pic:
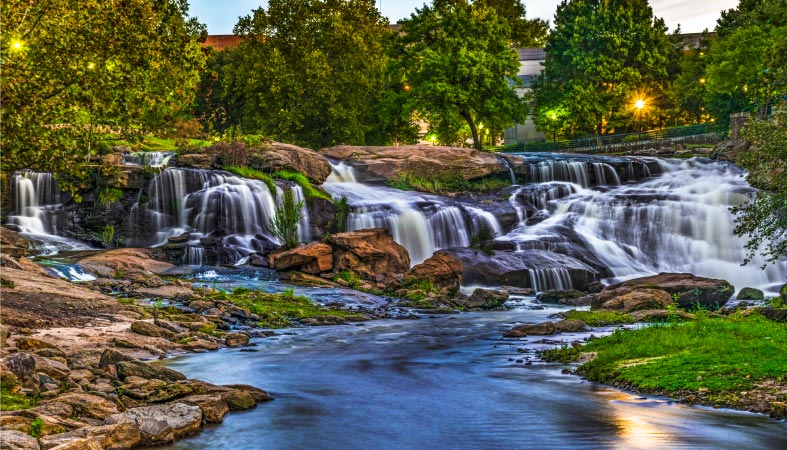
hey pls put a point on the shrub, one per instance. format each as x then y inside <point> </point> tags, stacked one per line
<point>339,222</point>
<point>284,224</point>
<point>108,196</point>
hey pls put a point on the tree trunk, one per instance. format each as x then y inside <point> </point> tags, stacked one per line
<point>476,142</point>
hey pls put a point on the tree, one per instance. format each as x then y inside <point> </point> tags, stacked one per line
<point>747,67</point>
<point>524,32</point>
<point>602,56</point>
<point>689,88</point>
<point>309,71</point>
<point>456,66</point>
<point>73,70</point>
<point>764,218</point>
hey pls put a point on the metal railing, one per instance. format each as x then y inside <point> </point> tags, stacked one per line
<point>691,134</point>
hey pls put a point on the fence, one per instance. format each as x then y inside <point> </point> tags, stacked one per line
<point>692,134</point>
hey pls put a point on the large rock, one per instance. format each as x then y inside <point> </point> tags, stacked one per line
<point>124,262</point>
<point>372,254</point>
<point>487,299</point>
<point>390,163</point>
<point>313,258</point>
<point>150,329</point>
<point>569,297</point>
<point>639,299</point>
<point>23,367</point>
<point>547,328</point>
<point>161,424</point>
<point>686,289</point>
<point>144,370</point>
<point>513,268</point>
<point>16,440</point>
<point>213,407</point>
<point>12,244</point>
<point>442,269</point>
<point>113,436</point>
<point>748,293</point>
<point>89,405</point>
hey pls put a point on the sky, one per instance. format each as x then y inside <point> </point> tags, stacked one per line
<point>693,15</point>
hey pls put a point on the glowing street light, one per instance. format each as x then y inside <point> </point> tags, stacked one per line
<point>16,45</point>
<point>639,104</point>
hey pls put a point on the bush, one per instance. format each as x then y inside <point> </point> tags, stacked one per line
<point>339,222</point>
<point>284,224</point>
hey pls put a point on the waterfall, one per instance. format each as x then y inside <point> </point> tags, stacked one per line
<point>550,278</point>
<point>206,204</point>
<point>36,201</point>
<point>304,233</point>
<point>149,159</point>
<point>421,223</point>
<point>678,221</point>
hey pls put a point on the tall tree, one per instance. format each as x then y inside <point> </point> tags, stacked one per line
<point>747,68</point>
<point>456,66</point>
<point>601,57</point>
<point>524,32</point>
<point>71,66</point>
<point>309,71</point>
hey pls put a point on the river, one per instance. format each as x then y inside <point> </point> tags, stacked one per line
<point>446,382</point>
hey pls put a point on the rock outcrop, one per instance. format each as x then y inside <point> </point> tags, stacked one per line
<point>486,299</point>
<point>547,328</point>
<point>125,261</point>
<point>390,163</point>
<point>442,270</point>
<point>371,254</point>
<point>687,290</point>
<point>313,258</point>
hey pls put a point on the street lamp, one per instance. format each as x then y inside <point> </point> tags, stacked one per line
<point>639,105</point>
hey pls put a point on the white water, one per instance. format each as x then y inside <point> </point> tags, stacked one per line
<point>421,223</point>
<point>149,159</point>
<point>676,222</point>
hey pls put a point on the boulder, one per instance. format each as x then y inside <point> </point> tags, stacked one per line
<point>29,343</point>
<point>547,328</point>
<point>160,424</point>
<point>513,268</point>
<point>390,163</point>
<point>688,290</point>
<point>371,253</point>
<point>748,293</point>
<point>147,371</point>
<point>660,315</point>
<point>569,297</point>
<point>442,269</point>
<point>487,299</point>
<point>236,339</point>
<point>23,366</point>
<point>571,326</point>
<point>150,329</point>
<point>12,244</point>
<point>112,436</point>
<point>238,400</point>
<point>16,440</point>
<point>256,393</point>
<point>277,156</point>
<point>89,405</point>
<point>124,261</point>
<point>51,368</point>
<point>213,407</point>
<point>313,258</point>
<point>639,299</point>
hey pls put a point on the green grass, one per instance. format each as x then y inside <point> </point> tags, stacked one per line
<point>279,310</point>
<point>721,355</point>
<point>446,184</point>
<point>301,180</point>
<point>353,282</point>
<point>254,174</point>
<point>600,318</point>
<point>11,401</point>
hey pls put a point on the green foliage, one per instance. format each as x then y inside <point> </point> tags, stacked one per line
<point>600,318</point>
<point>37,428</point>
<point>7,283</point>
<point>747,67</point>
<point>764,218</point>
<point>309,190</point>
<point>70,75</point>
<point>454,66</point>
<point>254,174</point>
<point>108,196</point>
<point>284,224</point>
<point>524,32</point>
<point>692,356</point>
<point>602,56</point>
<point>353,282</point>
<point>279,310</point>
<point>12,401</point>
<point>306,71</point>
<point>483,241</point>
<point>339,221</point>
<point>108,235</point>
<point>446,184</point>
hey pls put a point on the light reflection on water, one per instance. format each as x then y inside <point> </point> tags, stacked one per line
<point>447,382</point>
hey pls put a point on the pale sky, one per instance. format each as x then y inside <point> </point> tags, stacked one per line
<point>692,15</point>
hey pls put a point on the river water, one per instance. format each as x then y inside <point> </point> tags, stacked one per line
<point>446,382</point>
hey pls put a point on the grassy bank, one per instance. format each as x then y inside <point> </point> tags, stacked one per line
<point>738,361</point>
<point>284,309</point>
<point>444,185</point>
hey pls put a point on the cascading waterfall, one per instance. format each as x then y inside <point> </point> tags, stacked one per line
<point>677,222</point>
<point>209,204</point>
<point>304,234</point>
<point>149,159</point>
<point>420,223</point>
<point>550,278</point>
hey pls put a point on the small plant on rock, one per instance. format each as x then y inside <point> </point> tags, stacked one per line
<point>284,224</point>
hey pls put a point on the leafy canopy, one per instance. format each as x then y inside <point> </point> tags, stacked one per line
<point>602,56</point>
<point>74,70</point>
<point>455,66</point>
<point>308,71</point>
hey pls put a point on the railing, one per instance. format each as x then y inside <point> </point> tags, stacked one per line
<point>692,134</point>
